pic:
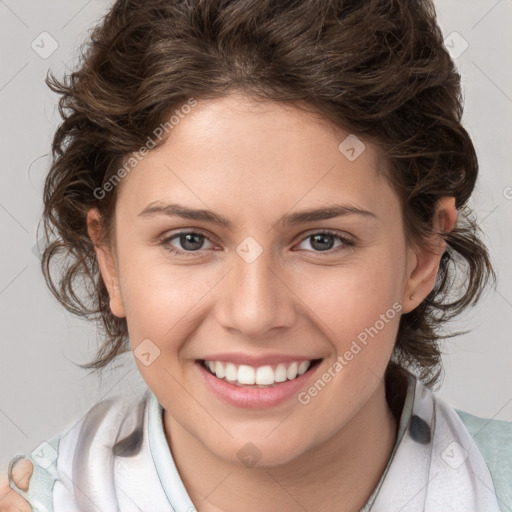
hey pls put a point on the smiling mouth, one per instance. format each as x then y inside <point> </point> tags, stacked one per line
<point>266,376</point>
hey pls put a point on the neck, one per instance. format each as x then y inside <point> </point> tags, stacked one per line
<point>338,475</point>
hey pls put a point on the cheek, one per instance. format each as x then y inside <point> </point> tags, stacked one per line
<point>353,297</point>
<point>166,301</point>
<point>159,297</point>
<point>358,311</point>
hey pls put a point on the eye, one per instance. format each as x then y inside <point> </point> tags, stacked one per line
<point>190,241</point>
<point>323,241</point>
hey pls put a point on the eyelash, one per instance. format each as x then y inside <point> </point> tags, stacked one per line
<point>347,243</point>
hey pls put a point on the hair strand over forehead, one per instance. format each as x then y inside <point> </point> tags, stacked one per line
<point>376,68</point>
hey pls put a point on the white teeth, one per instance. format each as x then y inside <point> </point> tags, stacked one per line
<point>219,370</point>
<point>291,373</point>
<point>246,374</point>
<point>231,372</point>
<point>262,376</point>
<point>280,375</point>
<point>303,366</point>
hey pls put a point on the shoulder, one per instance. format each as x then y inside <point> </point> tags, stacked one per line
<point>493,436</point>
<point>494,440</point>
<point>108,428</point>
<point>105,429</point>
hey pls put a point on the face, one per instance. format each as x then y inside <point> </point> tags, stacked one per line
<point>295,303</point>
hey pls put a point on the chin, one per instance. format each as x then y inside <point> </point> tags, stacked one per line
<point>260,452</point>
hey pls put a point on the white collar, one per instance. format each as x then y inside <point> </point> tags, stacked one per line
<point>117,455</point>
<point>435,464</point>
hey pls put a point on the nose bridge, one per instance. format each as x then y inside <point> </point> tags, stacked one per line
<point>256,299</point>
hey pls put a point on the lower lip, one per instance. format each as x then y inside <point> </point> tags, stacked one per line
<point>252,397</point>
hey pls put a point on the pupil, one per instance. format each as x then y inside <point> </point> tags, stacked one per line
<point>321,239</point>
<point>187,239</point>
<point>320,242</point>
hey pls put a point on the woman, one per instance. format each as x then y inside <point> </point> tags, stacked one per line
<point>267,202</point>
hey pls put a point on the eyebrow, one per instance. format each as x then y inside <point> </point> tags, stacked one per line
<point>290,219</point>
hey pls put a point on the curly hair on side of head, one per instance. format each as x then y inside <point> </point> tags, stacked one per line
<point>376,68</point>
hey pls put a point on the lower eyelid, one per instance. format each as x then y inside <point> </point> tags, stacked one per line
<point>346,242</point>
<point>166,242</point>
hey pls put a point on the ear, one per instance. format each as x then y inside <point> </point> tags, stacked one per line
<point>423,261</point>
<point>107,263</point>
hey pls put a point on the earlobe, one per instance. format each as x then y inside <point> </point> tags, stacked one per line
<point>422,278</point>
<point>106,262</point>
<point>423,261</point>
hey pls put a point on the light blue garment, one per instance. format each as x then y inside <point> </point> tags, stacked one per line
<point>116,458</point>
<point>494,440</point>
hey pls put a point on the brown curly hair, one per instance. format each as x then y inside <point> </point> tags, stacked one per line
<point>376,67</point>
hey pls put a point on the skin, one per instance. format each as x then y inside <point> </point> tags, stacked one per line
<point>253,163</point>
<point>10,501</point>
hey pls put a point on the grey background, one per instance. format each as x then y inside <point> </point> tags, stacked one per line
<point>42,393</point>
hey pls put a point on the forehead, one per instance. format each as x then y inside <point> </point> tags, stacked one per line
<point>241,153</point>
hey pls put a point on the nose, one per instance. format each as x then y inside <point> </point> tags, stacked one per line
<point>256,299</point>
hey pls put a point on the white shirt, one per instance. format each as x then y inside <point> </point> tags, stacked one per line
<point>117,459</point>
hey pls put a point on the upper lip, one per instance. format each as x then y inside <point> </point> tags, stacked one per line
<point>256,360</point>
